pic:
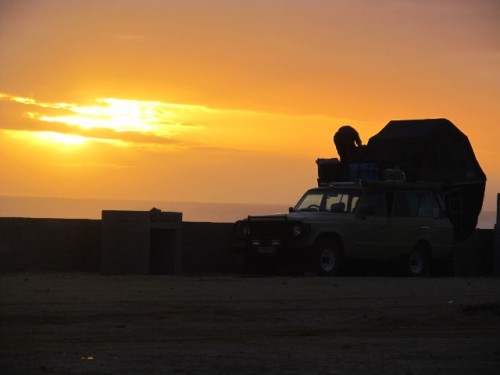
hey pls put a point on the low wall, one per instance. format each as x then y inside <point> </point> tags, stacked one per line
<point>474,255</point>
<point>75,245</point>
<point>49,244</point>
<point>208,247</point>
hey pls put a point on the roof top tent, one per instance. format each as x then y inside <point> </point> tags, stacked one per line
<point>434,151</point>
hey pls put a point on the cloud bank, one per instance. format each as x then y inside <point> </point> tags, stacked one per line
<point>130,122</point>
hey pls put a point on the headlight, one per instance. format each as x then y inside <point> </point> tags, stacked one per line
<point>297,230</point>
<point>241,229</point>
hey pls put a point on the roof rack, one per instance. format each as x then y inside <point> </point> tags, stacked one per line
<point>337,183</point>
<point>404,185</point>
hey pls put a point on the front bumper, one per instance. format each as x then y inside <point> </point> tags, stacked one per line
<point>273,249</point>
<point>272,237</point>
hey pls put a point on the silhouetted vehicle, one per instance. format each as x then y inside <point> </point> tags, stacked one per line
<point>370,221</point>
<point>417,188</point>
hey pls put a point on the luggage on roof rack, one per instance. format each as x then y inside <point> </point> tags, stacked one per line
<point>435,151</point>
<point>420,151</point>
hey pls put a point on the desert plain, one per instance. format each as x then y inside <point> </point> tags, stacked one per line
<point>88,323</point>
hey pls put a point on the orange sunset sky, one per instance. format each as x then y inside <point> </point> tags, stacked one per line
<point>230,101</point>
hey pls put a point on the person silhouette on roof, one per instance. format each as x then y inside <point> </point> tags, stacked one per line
<point>348,144</point>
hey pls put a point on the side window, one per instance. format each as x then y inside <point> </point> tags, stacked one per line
<point>415,204</point>
<point>425,204</point>
<point>342,202</point>
<point>405,204</point>
<point>354,203</point>
<point>436,207</point>
<point>332,203</point>
<point>309,201</point>
<point>374,204</point>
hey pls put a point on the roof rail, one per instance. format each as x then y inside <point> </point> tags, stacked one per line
<point>337,183</point>
<point>404,185</point>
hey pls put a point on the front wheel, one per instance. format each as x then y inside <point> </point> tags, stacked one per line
<point>327,257</point>
<point>418,262</point>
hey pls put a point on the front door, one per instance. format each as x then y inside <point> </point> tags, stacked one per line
<point>371,231</point>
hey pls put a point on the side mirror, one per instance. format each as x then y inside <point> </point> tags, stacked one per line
<point>290,209</point>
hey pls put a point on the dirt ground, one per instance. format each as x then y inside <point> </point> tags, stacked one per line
<point>72,323</point>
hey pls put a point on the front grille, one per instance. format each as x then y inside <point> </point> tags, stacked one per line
<point>263,227</point>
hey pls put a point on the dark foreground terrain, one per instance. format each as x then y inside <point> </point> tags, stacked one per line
<point>67,323</point>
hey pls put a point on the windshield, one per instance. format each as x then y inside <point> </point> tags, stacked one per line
<point>334,200</point>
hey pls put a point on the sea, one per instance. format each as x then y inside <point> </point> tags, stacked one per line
<point>67,208</point>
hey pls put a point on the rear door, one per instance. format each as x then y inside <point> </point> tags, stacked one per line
<point>440,229</point>
<point>406,226</point>
<point>418,215</point>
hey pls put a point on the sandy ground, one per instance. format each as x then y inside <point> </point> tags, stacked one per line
<point>69,323</point>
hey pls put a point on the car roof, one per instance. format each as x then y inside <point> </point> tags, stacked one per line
<point>379,185</point>
<point>337,186</point>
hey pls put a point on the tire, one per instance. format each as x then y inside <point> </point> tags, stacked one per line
<point>417,263</point>
<point>327,259</point>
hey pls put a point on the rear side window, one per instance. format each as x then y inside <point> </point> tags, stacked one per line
<point>374,204</point>
<point>415,204</point>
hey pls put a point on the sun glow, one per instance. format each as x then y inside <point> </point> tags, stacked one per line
<point>66,139</point>
<point>119,115</point>
<point>118,121</point>
<point>48,136</point>
<point>116,114</point>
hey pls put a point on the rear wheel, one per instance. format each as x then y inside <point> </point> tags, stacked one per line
<point>327,257</point>
<point>418,262</point>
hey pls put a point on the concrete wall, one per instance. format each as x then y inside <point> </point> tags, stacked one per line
<point>474,255</point>
<point>49,244</point>
<point>208,247</point>
<point>496,253</point>
<point>75,245</point>
<point>141,242</point>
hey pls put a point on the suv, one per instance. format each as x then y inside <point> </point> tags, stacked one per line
<point>371,221</point>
